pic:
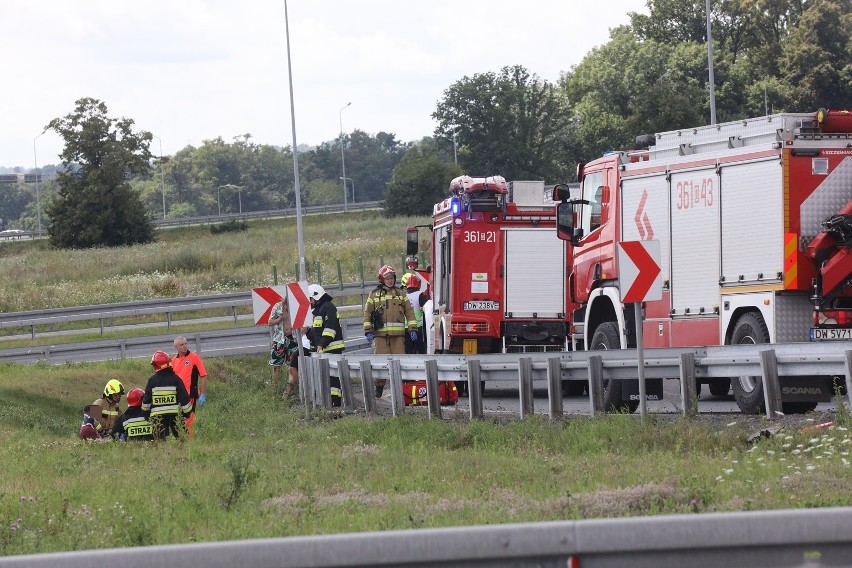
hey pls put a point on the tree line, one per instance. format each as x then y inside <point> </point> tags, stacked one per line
<point>651,76</point>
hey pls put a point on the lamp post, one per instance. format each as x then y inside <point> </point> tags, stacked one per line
<point>455,149</point>
<point>352,181</point>
<point>162,175</point>
<point>232,187</point>
<point>342,156</point>
<point>38,196</point>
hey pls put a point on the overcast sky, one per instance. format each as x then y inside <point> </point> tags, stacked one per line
<point>193,70</point>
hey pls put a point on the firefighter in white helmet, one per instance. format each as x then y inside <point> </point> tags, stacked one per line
<point>387,316</point>
<point>326,333</point>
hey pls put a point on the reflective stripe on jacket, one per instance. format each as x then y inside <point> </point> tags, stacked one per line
<point>325,329</point>
<point>395,309</point>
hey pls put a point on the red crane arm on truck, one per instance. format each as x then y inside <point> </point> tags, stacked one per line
<point>831,251</point>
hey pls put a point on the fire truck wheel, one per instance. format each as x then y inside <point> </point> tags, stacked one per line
<point>606,337</point>
<point>748,391</point>
<point>720,387</point>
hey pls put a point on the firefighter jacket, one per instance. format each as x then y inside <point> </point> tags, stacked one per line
<point>105,413</point>
<point>388,312</point>
<point>326,333</point>
<point>133,426</point>
<point>165,403</point>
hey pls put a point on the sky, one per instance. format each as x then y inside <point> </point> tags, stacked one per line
<point>194,70</point>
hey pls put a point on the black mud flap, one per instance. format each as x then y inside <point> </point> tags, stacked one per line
<point>653,390</point>
<point>806,389</point>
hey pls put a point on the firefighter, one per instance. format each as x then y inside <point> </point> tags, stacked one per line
<point>326,333</point>
<point>165,402</point>
<point>418,299</point>
<point>387,314</point>
<point>105,410</point>
<point>133,425</point>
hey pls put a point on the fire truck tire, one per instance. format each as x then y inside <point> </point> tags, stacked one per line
<point>720,387</point>
<point>748,391</point>
<point>606,337</point>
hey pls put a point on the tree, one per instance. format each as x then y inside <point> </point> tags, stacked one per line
<point>509,123</point>
<point>419,181</point>
<point>95,205</point>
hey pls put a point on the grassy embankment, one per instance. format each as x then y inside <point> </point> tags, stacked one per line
<point>190,261</point>
<point>257,468</point>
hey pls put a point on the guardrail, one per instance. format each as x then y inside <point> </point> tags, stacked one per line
<point>769,361</point>
<point>270,213</point>
<point>784,538</point>
<point>167,306</point>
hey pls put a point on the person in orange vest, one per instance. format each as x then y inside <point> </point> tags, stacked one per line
<point>190,368</point>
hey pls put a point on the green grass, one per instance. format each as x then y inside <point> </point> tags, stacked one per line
<point>257,468</point>
<point>189,261</point>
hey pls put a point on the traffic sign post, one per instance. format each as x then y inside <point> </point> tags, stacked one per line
<point>639,281</point>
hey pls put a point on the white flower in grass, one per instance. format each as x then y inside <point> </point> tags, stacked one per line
<point>770,452</point>
<point>810,467</point>
<point>729,471</point>
<point>719,478</point>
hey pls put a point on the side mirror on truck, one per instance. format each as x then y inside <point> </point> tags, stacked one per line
<point>565,221</point>
<point>411,241</point>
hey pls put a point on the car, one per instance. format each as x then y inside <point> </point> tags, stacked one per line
<point>12,233</point>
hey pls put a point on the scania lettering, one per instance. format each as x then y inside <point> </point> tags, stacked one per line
<point>754,220</point>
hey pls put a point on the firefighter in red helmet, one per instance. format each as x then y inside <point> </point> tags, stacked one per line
<point>165,403</point>
<point>388,316</point>
<point>133,426</point>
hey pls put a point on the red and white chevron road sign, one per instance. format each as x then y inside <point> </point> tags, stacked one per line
<point>262,301</point>
<point>300,306</point>
<point>639,271</point>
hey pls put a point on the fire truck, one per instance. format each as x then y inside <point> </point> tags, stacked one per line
<point>497,278</point>
<point>754,221</point>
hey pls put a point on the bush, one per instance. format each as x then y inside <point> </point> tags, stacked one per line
<point>232,226</point>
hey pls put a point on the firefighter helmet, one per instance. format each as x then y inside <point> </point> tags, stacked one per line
<point>404,279</point>
<point>161,360</point>
<point>411,262</point>
<point>385,270</point>
<point>413,281</point>
<point>134,397</point>
<point>316,291</point>
<point>113,387</point>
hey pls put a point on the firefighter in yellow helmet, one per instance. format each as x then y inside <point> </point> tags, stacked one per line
<point>165,403</point>
<point>388,316</point>
<point>105,410</point>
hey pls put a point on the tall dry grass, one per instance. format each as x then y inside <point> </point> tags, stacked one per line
<point>191,261</point>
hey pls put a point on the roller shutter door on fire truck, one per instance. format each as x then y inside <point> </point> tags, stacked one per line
<point>534,273</point>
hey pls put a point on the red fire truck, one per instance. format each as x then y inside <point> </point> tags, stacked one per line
<point>754,220</point>
<point>497,279</point>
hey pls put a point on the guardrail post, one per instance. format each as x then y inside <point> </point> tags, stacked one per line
<point>325,382</point>
<point>32,331</point>
<point>771,386</point>
<point>554,388</point>
<point>304,381</point>
<point>848,356</point>
<point>168,320</point>
<point>101,320</point>
<point>433,393</point>
<point>688,392</point>
<point>345,384</point>
<point>234,309</point>
<point>122,348</point>
<point>368,386</point>
<point>596,384</point>
<point>339,276</point>
<point>474,388</point>
<point>197,341</point>
<point>525,387</point>
<point>395,368</point>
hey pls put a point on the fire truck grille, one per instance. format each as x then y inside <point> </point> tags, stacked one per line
<point>533,348</point>
<point>470,327</point>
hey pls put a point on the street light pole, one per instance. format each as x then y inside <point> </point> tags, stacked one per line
<point>38,196</point>
<point>342,156</point>
<point>352,181</point>
<point>455,149</point>
<point>162,175</point>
